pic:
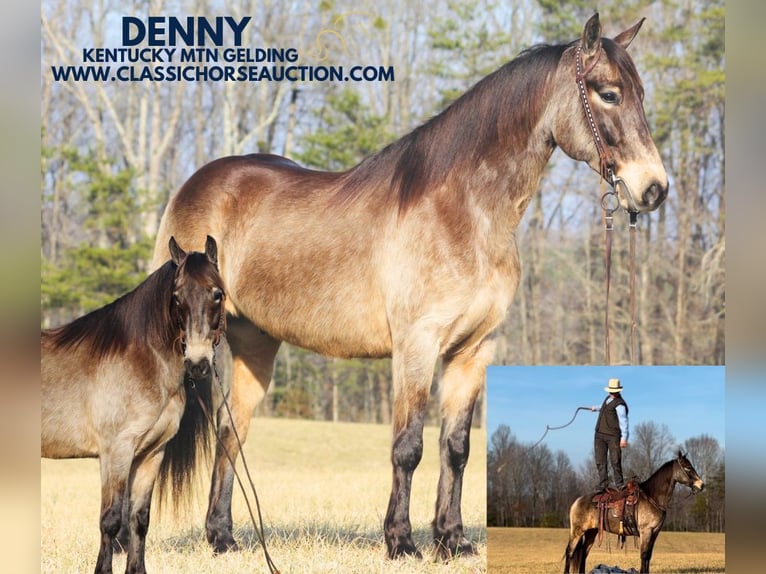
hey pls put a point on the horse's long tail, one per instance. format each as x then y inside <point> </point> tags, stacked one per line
<point>191,442</point>
<point>574,559</point>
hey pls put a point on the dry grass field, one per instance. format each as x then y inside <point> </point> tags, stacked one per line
<point>538,550</point>
<point>323,489</point>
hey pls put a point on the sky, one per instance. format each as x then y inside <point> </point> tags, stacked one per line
<point>689,400</point>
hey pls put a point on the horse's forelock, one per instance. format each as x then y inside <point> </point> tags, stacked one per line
<point>621,59</point>
<point>200,269</point>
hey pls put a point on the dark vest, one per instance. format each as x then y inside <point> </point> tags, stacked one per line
<point>607,422</point>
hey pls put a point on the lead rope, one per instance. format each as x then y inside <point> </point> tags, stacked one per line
<point>609,209</point>
<point>608,233</point>
<point>633,338</point>
<point>258,527</point>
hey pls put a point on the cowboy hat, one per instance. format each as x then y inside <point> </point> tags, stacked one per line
<point>614,386</point>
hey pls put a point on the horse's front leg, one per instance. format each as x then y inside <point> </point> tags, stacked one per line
<point>648,538</point>
<point>464,377</point>
<point>252,367</point>
<point>413,361</point>
<point>141,486</point>
<point>115,467</point>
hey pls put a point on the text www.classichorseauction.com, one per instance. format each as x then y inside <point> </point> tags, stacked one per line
<point>204,57</point>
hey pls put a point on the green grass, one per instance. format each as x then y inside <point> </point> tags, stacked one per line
<point>536,550</point>
<point>323,489</point>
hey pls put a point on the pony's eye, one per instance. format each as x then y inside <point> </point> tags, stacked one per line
<point>610,97</point>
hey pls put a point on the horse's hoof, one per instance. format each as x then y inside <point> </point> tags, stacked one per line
<point>446,549</point>
<point>403,549</point>
<point>222,545</point>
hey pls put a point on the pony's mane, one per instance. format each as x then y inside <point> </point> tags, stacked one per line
<point>141,317</point>
<point>495,116</point>
<point>658,476</point>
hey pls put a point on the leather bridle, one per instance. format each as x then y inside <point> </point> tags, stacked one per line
<point>609,204</point>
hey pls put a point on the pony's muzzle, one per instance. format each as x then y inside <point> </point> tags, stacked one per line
<point>197,369</point>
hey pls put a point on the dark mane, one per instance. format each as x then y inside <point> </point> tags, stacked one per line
<point>140,317</point>
<point>658,477</point>
<point>496,116</point>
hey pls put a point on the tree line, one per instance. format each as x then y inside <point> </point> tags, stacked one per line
<point>530,486</point>
<point>113,153</point>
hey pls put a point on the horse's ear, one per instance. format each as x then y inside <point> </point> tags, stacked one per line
<point>176,253</point>
<point>625,38</point>
<point>591,35</point>
<point>211,250</point>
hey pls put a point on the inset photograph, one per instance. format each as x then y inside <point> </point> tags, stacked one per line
<point>605,469</point>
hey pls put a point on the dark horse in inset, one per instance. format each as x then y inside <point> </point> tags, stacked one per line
<point>115,385</point>
<point>654,496</point>
<point>410,254</point>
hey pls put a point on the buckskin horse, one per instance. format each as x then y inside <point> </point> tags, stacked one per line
<point>411,253</point>
<point>654,496</point>
<point>115,386</point>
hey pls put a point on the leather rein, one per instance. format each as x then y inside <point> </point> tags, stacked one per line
<point>610,204</point>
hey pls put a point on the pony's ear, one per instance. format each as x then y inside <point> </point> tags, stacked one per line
<point>211,250</point>
<point>176,253</point>
<point>591,35</point>
<point>625,38</point>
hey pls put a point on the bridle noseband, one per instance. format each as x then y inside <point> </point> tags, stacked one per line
<point>609,202</point>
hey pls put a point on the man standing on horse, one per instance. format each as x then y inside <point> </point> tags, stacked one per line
<point>611,435</point>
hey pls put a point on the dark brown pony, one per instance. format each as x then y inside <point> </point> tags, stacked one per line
<point>410,254</point>
<point>653,499</point>
<point>115,385</point>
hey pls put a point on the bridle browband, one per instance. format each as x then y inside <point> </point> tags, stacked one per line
<point>609,202</point>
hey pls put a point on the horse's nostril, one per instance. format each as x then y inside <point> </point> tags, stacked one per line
<point>652,194</point>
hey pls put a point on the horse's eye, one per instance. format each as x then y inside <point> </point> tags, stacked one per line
<point>217,295</point>
<point>176,300</point>
<point>610,97</point>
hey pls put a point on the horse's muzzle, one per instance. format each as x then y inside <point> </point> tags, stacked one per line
<point>198,369</point>
<point>698,487</point>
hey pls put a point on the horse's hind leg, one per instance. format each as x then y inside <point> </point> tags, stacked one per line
<point>587,543</point>
<point>463,379</point>
<point>412,365</point>
<point>141,487</point>
<point>570,554</point>
<point>253,365</point>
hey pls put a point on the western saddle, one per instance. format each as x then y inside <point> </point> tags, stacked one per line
<point>620,505</point>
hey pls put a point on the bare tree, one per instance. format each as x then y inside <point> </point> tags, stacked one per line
<point>651,444</point>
